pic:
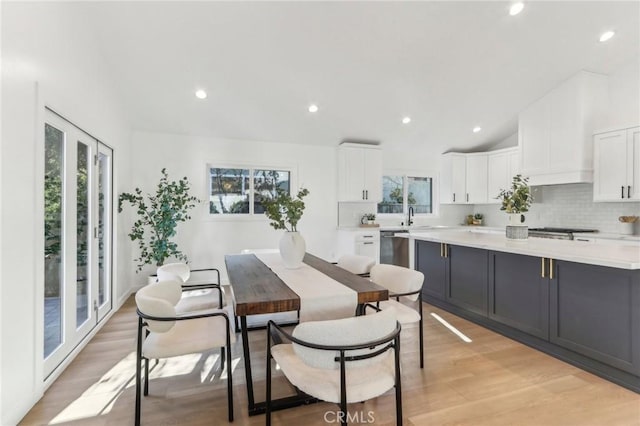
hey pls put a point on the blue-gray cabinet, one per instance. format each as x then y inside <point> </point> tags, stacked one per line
<point>454,274</point>
<point>519,292</point>
<point>585,314</point>
<point>467,278</point>
<point>595,311</point>
<point>430,260</point>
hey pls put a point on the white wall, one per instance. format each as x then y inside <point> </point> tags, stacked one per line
<point>52,45</point>
<point>205,240</point>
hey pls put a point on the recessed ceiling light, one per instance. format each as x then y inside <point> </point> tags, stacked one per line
<point>201,94</point>
<point>606,36</point>
<point>477,129</point>
<point>313,108</point>
<point>516,8</point>
<point>406,120</point>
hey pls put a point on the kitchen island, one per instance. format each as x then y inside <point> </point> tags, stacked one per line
<point>577,301</point>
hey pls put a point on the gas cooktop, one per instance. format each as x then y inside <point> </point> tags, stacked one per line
<point>566,230</point>
<point>557,233</point>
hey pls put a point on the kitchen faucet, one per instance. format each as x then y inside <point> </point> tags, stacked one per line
<point>409,216</point>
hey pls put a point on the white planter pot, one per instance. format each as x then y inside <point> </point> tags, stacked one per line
<point>292,249</point>
<point>516,219</point>
<point>516,229</point>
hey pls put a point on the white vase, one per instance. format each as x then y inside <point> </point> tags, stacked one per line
<point>516,229</point>
<point>292,249</point>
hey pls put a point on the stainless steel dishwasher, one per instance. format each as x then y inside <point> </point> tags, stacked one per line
<point>394,250</point>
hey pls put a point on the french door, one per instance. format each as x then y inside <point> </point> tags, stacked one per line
<point>77,236</point>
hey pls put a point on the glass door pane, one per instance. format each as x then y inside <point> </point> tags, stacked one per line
<point>54,140</point>
<point>83,236</point>
<point>77,237</point>
<point>104,229</point>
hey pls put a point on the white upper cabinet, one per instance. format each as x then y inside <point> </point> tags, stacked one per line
<point>554,133</point>
<point>502,166</point>
<point>453,179</point>
<point>463,178</point>
<point>617,165</point>
<point>476,178</point>
<point>359,173</point>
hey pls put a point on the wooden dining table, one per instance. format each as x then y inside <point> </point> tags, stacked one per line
<point>258,290</point>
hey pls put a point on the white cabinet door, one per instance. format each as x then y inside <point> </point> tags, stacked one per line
<point>610,163</point>
<point>373,175</point>
<point>513,167</point>
<point>359,174</point>
<point>633,165</point>
<point>368,248</point>
<point>497,175</point>
<point>476,179</point>
<point>453,169</point>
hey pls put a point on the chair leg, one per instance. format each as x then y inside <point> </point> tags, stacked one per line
<point>268,390</point>
<point>398,383</point>
<point>421,333</point>
<point>146,376</point>
<point>138,372</point>
<point>343,389</point>
<point>229,381</point>
<point>222,357</point>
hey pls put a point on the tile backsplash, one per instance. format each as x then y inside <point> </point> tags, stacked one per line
<point>568,206</point>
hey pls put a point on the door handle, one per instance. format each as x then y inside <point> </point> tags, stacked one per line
<point>622,192</point>
<point>542,267</point>
<point>550,268</point>
<point>366,192</point>
<point>454,197</point>
<point>441,250</point>
<point>467,198</point>
<point>629,191</point>
<point>367,243</point>
<point>363,195</point>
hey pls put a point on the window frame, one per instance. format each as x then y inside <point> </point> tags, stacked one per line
<point>406,174</point>
<point>252,167</point>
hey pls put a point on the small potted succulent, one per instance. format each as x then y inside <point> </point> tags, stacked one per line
<point>477,219</point>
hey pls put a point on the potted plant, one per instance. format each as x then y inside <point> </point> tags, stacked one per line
<point>158,218</point>
<point>477,219</point>
<point>368,219</point>
<point>515,201</point>
<point>285,211</point>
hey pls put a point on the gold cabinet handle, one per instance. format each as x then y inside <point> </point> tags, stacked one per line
<point>542,267</point>
<point>550,268</point>
<point>446,250</point>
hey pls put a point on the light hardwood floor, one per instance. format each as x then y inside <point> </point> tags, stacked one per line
<point>490,381</point>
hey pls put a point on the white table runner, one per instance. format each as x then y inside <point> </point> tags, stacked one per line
<point>321,297</point>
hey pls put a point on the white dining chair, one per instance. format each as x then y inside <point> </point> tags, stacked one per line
<point>405,295</point>
<point>341,361</point>
<point>202,289</point>
<point>163,333</point>
<point>356,264</point>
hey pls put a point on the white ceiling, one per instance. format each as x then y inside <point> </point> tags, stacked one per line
<point>448,65</point>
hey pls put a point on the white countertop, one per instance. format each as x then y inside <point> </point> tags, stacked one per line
<point>616,256</point>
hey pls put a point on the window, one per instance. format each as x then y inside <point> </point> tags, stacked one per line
<point>240,191</point>
<point>399,192</point>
